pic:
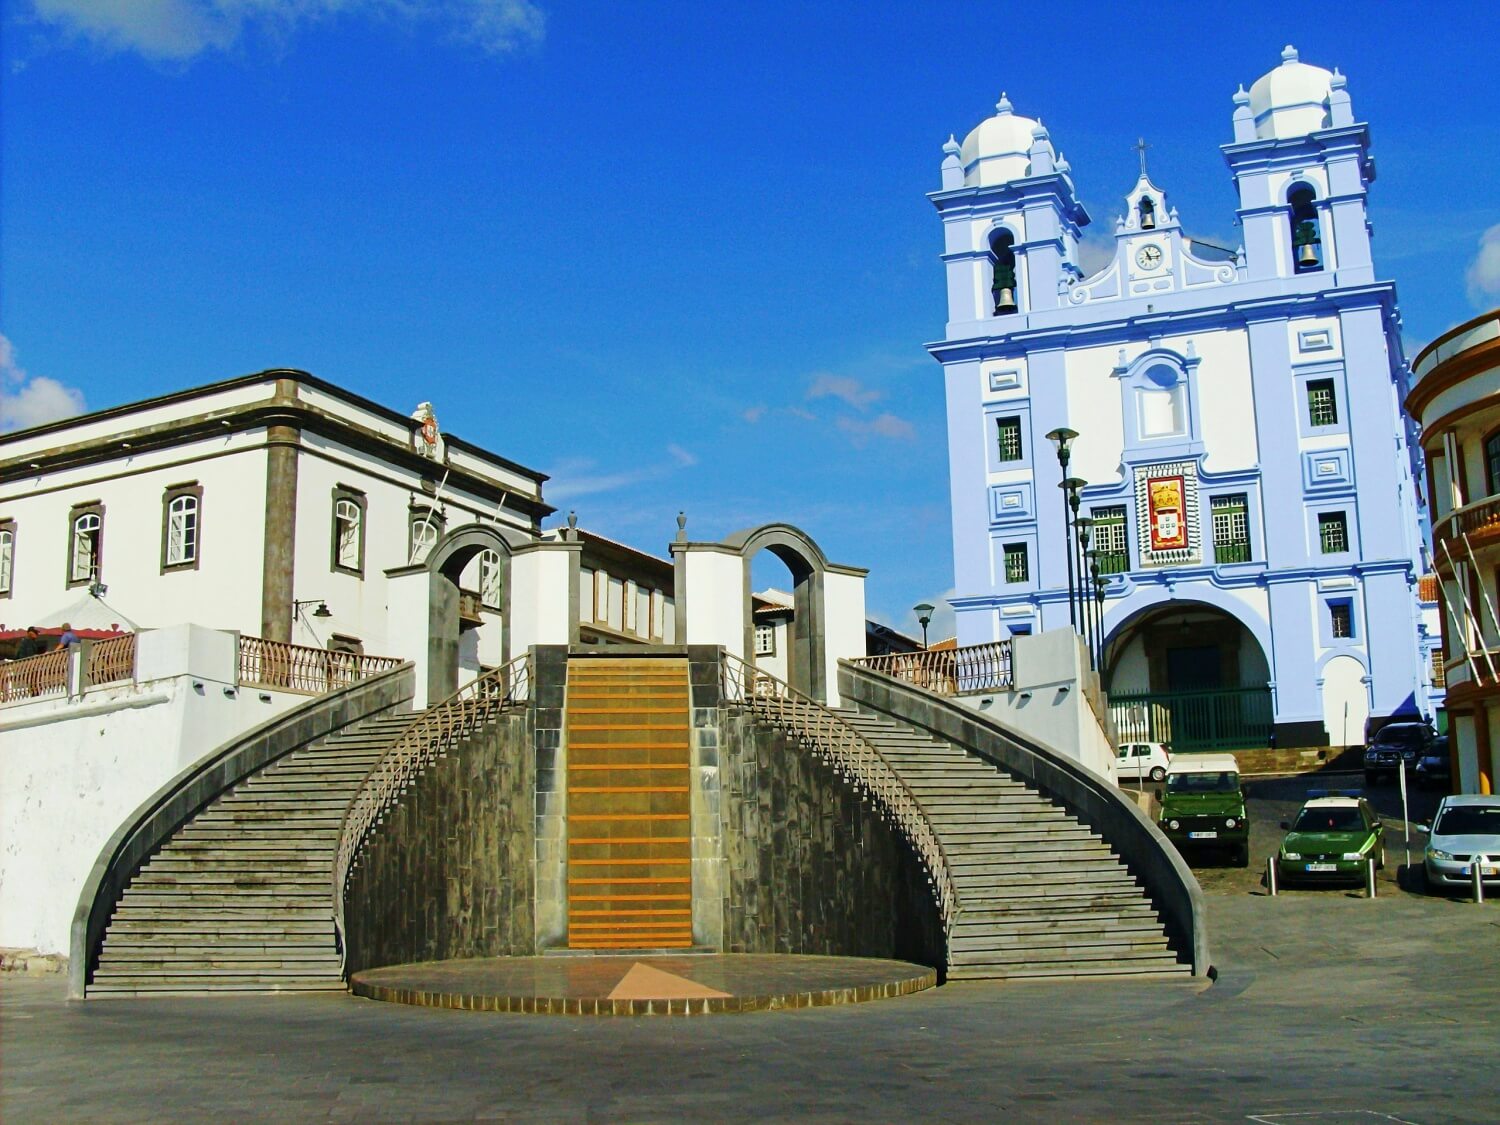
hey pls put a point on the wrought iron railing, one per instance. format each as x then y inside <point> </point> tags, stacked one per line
<point>949,671</point>
<point>112,659</point>
<point>34,676</point>
<point>852,757</point>
<point>304,670</point>
<point>430,736</point>
<point>1212,719</point>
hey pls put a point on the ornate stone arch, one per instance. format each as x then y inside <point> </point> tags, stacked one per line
<point>808,669</point>
<point>445,564</point>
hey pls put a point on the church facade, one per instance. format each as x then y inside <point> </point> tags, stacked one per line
<point>1234,447</point>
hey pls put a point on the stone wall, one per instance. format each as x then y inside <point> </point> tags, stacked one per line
<point>808,866</point>
<point>449,872</point>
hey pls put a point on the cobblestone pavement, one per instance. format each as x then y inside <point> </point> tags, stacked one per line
<point>1329,1009</point>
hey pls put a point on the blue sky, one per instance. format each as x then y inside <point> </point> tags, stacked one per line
<point>676,255</point>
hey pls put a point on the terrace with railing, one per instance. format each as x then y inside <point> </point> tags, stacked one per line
<point>35,677</point>
<point>107,661</point>
<point>303,670</point>
<point>952,671</point>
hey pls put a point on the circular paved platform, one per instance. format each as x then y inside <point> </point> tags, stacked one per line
<point>642,986</point>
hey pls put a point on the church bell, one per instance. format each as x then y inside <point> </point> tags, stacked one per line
<point>1307,254</point>
<point>1005,300</point>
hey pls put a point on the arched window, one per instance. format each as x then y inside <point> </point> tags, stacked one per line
<point>1163,412</point>
<point>489,579</point>
<point>1003,289</point>
<point>348,532</point>
<point>1492,462</point>
<point>1147,210</point>
<point>181,545</point>
<point>85,548</point>
<point>1307,233</point>
<point>7,557</point>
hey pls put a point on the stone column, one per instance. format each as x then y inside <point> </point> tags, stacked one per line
<point>276,596</point>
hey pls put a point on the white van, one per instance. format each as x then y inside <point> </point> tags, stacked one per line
<point>1137,761</point>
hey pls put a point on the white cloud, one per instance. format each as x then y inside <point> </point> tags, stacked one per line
<point>582,477</point>
<point>753,414</point>
<point>846,388</point>
<point>682,456</point>
<point>1483,275</point>
<point>29,400</point>
<point>178,30</point>
<point>882,425</point>
<point>1096,249</point>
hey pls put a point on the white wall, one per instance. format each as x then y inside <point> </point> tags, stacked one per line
<point>714,589</point>
<point>72,772</point>
<point>1346,701</point>
<point>844,624</point>
<point>541,587</point>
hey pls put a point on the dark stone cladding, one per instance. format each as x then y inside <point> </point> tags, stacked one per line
<point>449,871</point>
<point>811,867</point>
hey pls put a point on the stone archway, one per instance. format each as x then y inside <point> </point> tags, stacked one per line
<point>445,565</point>
<point>809,568</point>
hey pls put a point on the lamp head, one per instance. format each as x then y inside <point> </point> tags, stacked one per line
<point>1062,438</point>
<point>923,612</point>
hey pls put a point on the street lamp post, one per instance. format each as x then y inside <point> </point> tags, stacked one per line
<point>1083,525</point>
<point>924,615</point>
<point>1100,583</point>
<point>1062,438</point>
<point>1071,486</point>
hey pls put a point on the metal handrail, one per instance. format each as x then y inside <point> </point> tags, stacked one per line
<point>305,670</point>
<point>949,671</point>
<point>852,757</point>
<point>429,736</point>
<point>112,659</point>
<point>34,676</point>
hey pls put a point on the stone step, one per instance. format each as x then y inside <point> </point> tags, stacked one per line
<point>1074,970</point>
<point>153,986</point>
<point>1129,940</point>
<point>982,902</point>
<point>246,926</point>
<point>323,962</point>
<point>1021,927</point>
<point>1040,955</point>
<point>1024,864</point>
<point>1105,878</point>
<point>1013,843</point>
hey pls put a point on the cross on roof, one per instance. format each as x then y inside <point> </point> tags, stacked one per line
<point>1140,147</point>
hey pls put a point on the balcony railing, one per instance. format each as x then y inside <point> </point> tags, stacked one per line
<point>1481,515</point>
<point>34,677</point>
<point>112,659</point>
<point>303,670</point>
<point>950,671</point>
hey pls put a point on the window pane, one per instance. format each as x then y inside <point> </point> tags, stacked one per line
<point>1009,430</point>
<point>346,528</point>
<point>84,561</point>
<point>1015,562</point>
<point>1322,410</point>
<point>489,579</point>
<point>423,539</point>
<point>1492,462</point>
<point>765,640</point>
<point>7,556</point>
<point>1109,539</point>
<point>182,530</point>
<point>1231,529</point>
<point>1333,536</point>
<point>1341,617</point>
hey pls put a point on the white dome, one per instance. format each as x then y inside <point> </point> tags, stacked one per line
<point>1292,100</point>
<point>998,149</point>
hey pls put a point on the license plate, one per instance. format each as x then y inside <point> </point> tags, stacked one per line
<point>1203,835</point>
<point>1486,872</point>
<point>1321,867</point>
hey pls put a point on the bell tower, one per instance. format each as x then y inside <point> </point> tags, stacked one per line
<point>1302,168</point>
<point>1011,220</point>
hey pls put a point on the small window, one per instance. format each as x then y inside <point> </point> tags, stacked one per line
<point>1009,433</point>
<point>348,531</point>
<point>1322,408</point>
<point>181,526</point>
<point>765,640</point>
<point>1231,529</point>
<point>1109,539</point>
<point>7,555</point>
<point>1016,569</point>
<point>1492,462</point>
<point>85,544</point>
<point>1333,533</point>
<point>489,579</point>
<point>1341,619</point>
<point>1439,674</point>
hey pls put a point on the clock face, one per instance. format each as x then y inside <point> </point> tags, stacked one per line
<point>1148,257</point>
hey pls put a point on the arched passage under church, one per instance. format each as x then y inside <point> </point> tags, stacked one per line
<point>457,614</point>
<point>806,659</point>
<point>1190,675</point>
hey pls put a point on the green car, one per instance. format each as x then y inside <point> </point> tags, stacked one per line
<point>1202,808</point>
<point>1331,840</point>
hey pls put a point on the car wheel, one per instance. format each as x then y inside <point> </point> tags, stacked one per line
<point>1158,774</point>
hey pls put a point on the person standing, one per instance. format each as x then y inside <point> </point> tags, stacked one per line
<point>31,644</point>
<point>68,636</point>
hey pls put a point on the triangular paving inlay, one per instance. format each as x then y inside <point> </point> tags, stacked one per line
<point>643,982</point>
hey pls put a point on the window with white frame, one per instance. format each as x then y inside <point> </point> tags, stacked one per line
<point>7,556</point>
<point>489,579</point>
<point>765,640</point>
<point>1109,539</point>
<point>426,526</point>
<point>1333,533</point>
<point>1231,528</point>
<point>85,545</point>
<point>182,509</point>
<point>1016,566</point>
<point>1341,619</point>
<point>1008,437</point>
<point>348,531</point>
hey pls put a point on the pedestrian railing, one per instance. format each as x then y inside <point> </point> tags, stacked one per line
<point>431,735</point>
<point>303,670</point>
<point>949,671</point>
<point>35,677</point>
<point>112,659</point>
<point>851,755</point>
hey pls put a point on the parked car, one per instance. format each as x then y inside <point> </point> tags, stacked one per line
<point>1395,744</point>
<point>1135,761</point>
<point>1203,807</point>
<point>1435,768</point>
<point>1464,831</point>
<point>1333,836</point>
